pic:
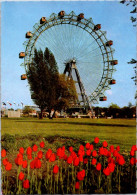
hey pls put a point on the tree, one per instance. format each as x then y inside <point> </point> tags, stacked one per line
<point>27,110</point>
<point>48,88</point>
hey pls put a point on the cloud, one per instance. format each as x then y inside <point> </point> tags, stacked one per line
<point>109,92</point>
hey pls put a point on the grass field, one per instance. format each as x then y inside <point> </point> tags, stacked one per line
<point>120,132</point>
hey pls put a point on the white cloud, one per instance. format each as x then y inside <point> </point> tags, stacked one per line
<point>109,92</point>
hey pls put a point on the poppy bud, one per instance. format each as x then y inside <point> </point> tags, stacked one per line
<point>87,145</point>
<point>98,167</point>
<point>105,144</point>
<point>96,140</point>
<point>42,144</point>
<point>26,184</point>
<point>3,153</point>
<point>55,169</point>
<point>21,176</point>
<point>77,185</point>
<point>35,147</point>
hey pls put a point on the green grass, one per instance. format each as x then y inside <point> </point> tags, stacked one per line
<point>115,131</point>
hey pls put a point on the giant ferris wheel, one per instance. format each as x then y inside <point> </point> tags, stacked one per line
<point>82,52</point>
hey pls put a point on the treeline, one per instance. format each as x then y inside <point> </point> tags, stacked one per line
<point>115,111</point>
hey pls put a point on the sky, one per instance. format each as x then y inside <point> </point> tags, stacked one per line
<point>19,17</point>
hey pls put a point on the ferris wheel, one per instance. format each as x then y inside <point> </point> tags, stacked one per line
<point>81,50</point>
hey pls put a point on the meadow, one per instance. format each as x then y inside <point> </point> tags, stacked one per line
<point>120,132</point>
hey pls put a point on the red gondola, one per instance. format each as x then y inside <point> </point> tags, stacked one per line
<point>28,34</point>
<point>112,82</point>
<point>61,14</point>
<point>114,62</point>
<point>104,98</point>
<point>80,17</point>
<point>109,43</point>
<point>23,77</point>
<point>97,27</point>
<point>21,54</point>
<point>43,20</point>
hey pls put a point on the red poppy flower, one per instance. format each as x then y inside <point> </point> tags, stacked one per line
<point>77,185</point>
<point>108,154</point>
<point>101,151</point>
<point>94,161</point>
<point>71,149</point>
<point>19,155</point>
<point>132,161</point>
<point>35,148</point>
<point>65,157</point>
<point>106,171</point>
<point>76,161</point>
<point>32,164</point>
<point>87,146</point>
<point>3,153</point>
<point>48,153</point>
<point>24,164</point>
<point>29,157</point>
<point>88,152</point>
<point>26,184</point>
<point>91,147</point>
<point>96,140</point>
<point>42,144</point>
<point>115,153</point>
<point>21,150</point>
<point>5,161</point>
<point>21,176</point>
<point>80,158</point>
<point>63,148</point>
<point>85,160</point>
<point>81,147</point>
<point>69,160</point>
<point>81,175</point>
<point>98,167</point>
<point>52,157</point>
<point>40,154</point>
<point>132,153</point>
<point>73,154</point>
<point>18,160</point>
<point>121,160</point>
<point>94,153</point>
<point>55,169</point>
<point>81,152</point>
<point>133,147</point>
<point>29,150</point>
<point>8,166</point>
<point>111,148</point>
<point>111,160</point>
<point>37,163</point>
<point>111,167</point>
<point>118,148</point>
<point>105,144</point>
<point>60,153</point>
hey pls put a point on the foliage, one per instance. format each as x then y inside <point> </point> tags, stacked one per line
<point>27,110</point>
<point>133,4</point>
<point>48,88</point>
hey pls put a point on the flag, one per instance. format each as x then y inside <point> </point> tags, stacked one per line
<point>10,104</point>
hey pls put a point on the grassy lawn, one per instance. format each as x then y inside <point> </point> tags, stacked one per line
<point>120,132</point>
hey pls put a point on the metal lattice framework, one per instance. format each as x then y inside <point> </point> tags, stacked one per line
<point>70,39</point>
